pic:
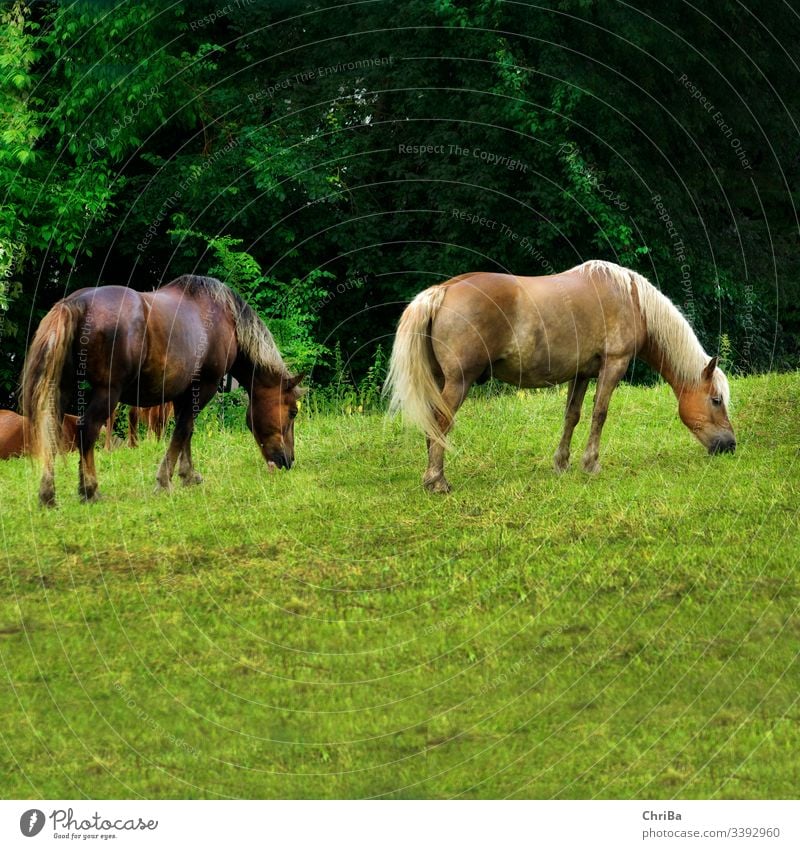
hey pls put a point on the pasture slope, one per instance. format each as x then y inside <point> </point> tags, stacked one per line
<point>335,631</point>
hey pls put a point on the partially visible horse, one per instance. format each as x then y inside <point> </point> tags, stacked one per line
<point>155,421</point>
<point>590,321</point>
<point>15,436</point>
<point>99,347</point>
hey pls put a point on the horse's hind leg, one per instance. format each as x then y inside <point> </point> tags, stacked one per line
<point>109,443</point>
<point>159,421</point>
<point>611,372</point>
<point>101,409</point>
<point>575,396</point>
<point>133,427</point>
<point>453,395</point>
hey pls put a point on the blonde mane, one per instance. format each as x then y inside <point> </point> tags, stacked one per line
<point>666,325</point>
<point>252,335</point>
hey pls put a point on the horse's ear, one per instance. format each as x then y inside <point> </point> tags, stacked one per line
<point>708,371</point>
<point>291,382</point>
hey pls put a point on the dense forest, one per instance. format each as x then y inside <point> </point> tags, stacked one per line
<point>329,160</point>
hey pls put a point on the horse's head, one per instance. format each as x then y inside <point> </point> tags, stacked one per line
<point>271,416</point>
<point>704,410</point>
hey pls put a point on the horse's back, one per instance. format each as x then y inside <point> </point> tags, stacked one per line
<point>499,308</point>
<point>190,331</point>
<point>149,345</point>
<point>550,295</point>
<point>532,331</point>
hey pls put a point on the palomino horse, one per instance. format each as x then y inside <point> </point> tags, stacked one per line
<point>590,321</point>
<point>15,434</point>
<point>99,347</point>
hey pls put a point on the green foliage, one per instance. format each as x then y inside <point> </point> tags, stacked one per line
<point>225,412</point>
<point>725,354</point>
<point>578,130</point>
<point>334,631</point>
<point>344,393</point>
<point>17,140</point>
<point>287,309</point>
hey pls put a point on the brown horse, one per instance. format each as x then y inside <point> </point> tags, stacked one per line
<point>590,321</point>
<point>15,434</point>
<point>99,347</point>
<point>155,421</point>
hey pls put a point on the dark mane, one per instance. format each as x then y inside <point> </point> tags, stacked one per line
<point>253,336</point>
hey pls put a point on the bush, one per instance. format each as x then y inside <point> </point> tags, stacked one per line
<point>286,308</point>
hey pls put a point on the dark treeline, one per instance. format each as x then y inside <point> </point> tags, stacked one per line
<point>331,160</point>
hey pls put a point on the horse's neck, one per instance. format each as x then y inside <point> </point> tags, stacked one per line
<point>658,360</point>
<point>247,374</point>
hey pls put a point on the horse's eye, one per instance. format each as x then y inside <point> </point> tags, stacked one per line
<point>292,414</point>
<point>716,400</point>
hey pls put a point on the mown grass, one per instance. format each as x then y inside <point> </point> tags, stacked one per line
<point>335,631</point>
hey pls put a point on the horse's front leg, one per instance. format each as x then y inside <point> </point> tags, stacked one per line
<point>611,372</point>
<point>184,424</point>
<point>575,396</point>
<point>188,474</point>
<point>180,446</point>
<point>453,395</point>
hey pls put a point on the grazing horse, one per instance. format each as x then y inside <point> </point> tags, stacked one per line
<point>15,436</point>
<point>99,347</point>
<point>590,321</point>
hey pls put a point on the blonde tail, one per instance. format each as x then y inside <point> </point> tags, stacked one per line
<point>41,379</point>
<point>410,382</point>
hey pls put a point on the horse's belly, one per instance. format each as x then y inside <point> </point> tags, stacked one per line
<point>546,365</point>
<point>541,375</point>
<point>159,381</point>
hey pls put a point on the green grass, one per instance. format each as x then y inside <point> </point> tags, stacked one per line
<point>335,631</point>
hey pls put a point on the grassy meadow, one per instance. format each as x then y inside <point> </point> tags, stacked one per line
<point>335,631</point>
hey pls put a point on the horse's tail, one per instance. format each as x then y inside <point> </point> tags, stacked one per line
<point>410,381</point>
<point>42,400</point>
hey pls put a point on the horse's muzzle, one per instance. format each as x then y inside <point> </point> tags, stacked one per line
<point>281,461</point>
<point>722,445</point>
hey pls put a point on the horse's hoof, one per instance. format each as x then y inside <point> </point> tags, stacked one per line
<point>560,465</point>
<point>89,498</point>
<point>48,500</point>
<point>592,468</point>
<point>193,479</point>
<point>160,487</point>
<point>439,485</point>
